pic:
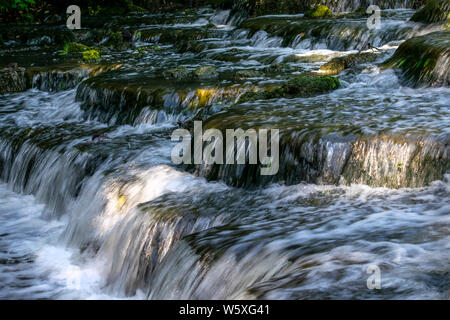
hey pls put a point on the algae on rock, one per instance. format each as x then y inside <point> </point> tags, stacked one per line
<point>424,60</point>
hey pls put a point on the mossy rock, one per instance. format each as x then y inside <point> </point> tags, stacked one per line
<point>319,11</point>
<point>424,60</point>
<point>12,79</point>
<point>434,11</point>
<point>339,64</point>
<point>302,86</point>
<point>72,47</point>
<point>246,74</point>
<point>305,86</point>
<point>206,72</point>
<point>179,73</point>
<point>91,55</point>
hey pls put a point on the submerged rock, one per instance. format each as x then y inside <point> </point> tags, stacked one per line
<point>246,74</point>
<point>424,60</point>
<point>206,72</point>
<point>12,79</point>
<point>434,11</point>
<point>339,64</point>
<point>178,73</point>
<point>303,86</point>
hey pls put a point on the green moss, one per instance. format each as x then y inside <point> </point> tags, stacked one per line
<point>91,55</point>
<point>418,59</point>
<point>311,85</point>
<point>74,47</point>
<point>319,11</point>
<point>302,86</point>
<point>434,11</point>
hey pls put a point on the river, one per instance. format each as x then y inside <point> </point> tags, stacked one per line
<point>107,218</point>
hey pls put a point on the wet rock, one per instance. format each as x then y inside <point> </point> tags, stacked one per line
<point>191,46</point>
<point>206,72</point>
<point>394,163</point>
<point>337,33</point>
<point>114,99</point>
<point>384,161</point>
<point>174,35</point>
<point>319,11</point>
<point>65,76</point>
<point>434,11</point>
<point>72,47</point>
<point>179,73</point>
<point>12,79</point>
<point>423,61</point>
<point>127,35</point>
<point>246,74</point>
<point>91,55</point>
<point>339,64</point>
<point>302,86</point>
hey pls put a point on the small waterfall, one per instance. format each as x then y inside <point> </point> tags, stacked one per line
<point>377,161</point>
<point>128,224</point>
<point>351,5</point>
<point>431,67</point>
<point>12,80</point>
<point>64,77</point>
<point>363,175</point>
<point>151,104</point>
<point>55,178</point>
<point>335,34</point>
<point>256,260</point>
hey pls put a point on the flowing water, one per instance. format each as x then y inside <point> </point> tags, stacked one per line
<point>363,177</point>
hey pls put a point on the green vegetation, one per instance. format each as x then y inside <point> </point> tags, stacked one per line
<point>319,11</point>
<point>302,86</point>
<point>91,55</point>
<point>434,11</point>
<point>22,5</point>
<point>72,47</point>
<point>419,59</point>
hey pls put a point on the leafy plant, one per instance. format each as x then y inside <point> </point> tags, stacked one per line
<point>91,55</point>
<point>23,5</point>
